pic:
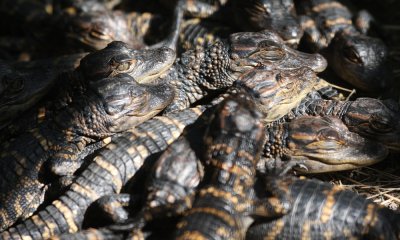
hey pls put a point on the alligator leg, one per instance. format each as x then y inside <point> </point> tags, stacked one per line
<point>113,206</point>
<point>69,159</point>
<point>278,204</point>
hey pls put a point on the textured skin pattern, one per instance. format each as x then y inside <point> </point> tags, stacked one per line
<point>355,57</point>
<point>94,30</point>
<point>275,15</point>
<point>197,72</point>
<point>206,69</point>
<point>95,234</point>
<point>371,118</point>
<point>23,85</point>
<point>234,142</point>
<point>319,144</point>
<point>322,211</point>
<point>326,19</point>
<point>60,141</point>
<point>112,167</point>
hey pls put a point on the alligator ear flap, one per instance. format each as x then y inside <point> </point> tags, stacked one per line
<point>277,205</point>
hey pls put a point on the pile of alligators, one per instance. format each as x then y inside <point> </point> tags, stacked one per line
<point>191,119</point>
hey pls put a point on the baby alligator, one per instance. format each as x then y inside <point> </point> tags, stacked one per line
<point>371,118</point>
<point>203,70</point>
<point>24,84</point>
<point>318,144</point>
<point>101,109</point>
<point>170,188</point>
<point>235,138</point>
<point>277,15</point>
<point>355,57</point>
<point>111,168</point>
<point>323,211</point>
<point>143,65</point>
<point>111,105</point>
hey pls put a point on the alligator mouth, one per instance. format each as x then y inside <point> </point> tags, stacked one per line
<point>311,166</point>
<point>153,76</point>
<point>331,160</point>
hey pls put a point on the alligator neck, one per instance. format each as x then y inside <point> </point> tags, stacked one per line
<point>313,104</point>
<point>199,71</point>
<point>85,119</point>
<point>276,140</point>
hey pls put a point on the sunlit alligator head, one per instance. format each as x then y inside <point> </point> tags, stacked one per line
<point>280,90</point>
<point>325,144</point>
<point>266,48</point>
<point>375,119</point>
<point>143,65</point>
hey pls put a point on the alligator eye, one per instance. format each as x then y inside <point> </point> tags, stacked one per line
<point>269,51</point>
<point>380,124</point>
<point>123,66</point>
<point>328,134</point>
<point>352,55</point>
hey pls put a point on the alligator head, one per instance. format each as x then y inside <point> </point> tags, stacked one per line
<point>266,48</point>
<point>143,65</point>
<point>277,16</point>
<point>325,144</point>
<point>127,102</point>
<point>280,90</point>
<point>24,84</point>
<point>360,60</point>
<point>94,30</point>
<point>173,179</point>
<point>375,119</point>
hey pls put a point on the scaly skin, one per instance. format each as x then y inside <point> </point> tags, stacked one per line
<point>235,138</point>
<point>100,109</point>
<point>368,117</point>
<point>97,234</point>
<point>280,90</point>
<point>323,211</point>
<point>94,30</point>
<point>277,15</point>
<point>26,83</point>
<point>111,168</point>
<point>355,57</point>
<point>143,65</point>
<point>204,70</point>
<point>318,144</point>
<point>111,106</point>
<point>170,189</point>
